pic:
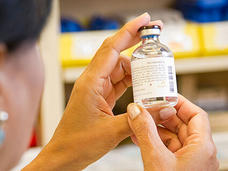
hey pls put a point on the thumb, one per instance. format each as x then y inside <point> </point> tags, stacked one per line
<point>145,130</point>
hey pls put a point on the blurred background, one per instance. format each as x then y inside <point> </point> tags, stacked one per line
<point>195,30</point>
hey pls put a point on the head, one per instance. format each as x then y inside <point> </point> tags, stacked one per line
<point>21,72</point>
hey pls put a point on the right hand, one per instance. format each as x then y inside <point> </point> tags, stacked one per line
<point>89,129</point>
<point>192,127</point>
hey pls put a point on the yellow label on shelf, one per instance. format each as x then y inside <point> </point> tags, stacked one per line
<point>77,49</point>
<point>182,39</point>
<point>215,38</point>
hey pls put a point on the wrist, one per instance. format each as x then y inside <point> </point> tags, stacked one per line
<point>55,157</point>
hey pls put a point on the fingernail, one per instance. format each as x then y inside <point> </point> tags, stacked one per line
<point>133,110</point>
<point>166,112</point>
<point>145,14</point>
<point>159,21</point>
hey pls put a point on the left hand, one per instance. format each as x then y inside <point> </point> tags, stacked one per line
<point>88,129</point>
<point>192,127</point>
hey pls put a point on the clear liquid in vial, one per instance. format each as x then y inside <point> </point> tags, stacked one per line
<point>153,73</point>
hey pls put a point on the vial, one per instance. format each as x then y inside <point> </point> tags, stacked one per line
<point>153,70</point>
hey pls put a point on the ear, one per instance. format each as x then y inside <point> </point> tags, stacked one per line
<point>3,53</point>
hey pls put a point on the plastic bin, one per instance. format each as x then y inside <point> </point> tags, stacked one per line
<point>214,38</point>
<point>203,10</point>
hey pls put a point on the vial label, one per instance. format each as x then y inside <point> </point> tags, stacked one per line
<point>153,78</point>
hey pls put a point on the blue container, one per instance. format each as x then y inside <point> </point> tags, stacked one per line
<point>203,10</point>
<point>225,12</point>
<point>102,23</point>
<point>204,4</point>
<point>69,25</point>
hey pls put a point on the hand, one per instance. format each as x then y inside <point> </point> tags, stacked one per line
<point>88,129</point>
<point>192,127</point>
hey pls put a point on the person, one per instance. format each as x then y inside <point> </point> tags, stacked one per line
<point>169,138</point>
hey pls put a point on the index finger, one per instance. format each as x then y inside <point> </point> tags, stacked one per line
<point>107,56</point>
<point>193,116</point>
<point>186,110</point>
<point>128,35</point>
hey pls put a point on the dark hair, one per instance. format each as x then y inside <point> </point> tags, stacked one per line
<point>22,20</point>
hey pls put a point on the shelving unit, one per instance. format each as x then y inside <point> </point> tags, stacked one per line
<point>183,66</point>
<point>52,105</point>
<point>191,66</point>
<point>219,121</point>
<point>202,64</point>
<point>86,8</point>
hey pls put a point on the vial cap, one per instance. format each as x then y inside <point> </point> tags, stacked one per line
<point>150,30</point>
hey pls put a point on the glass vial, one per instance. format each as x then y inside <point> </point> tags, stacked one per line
<point>153,70</point>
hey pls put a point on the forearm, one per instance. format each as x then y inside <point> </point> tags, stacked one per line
<point>79,149</point>
<point>54,157</point>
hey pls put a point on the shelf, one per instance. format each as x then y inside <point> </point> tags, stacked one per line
<point>202,64</point>
<point>71,74</point>
<point>183,66</point>
<point>53,98</point>
<point>87,8</point>
<point>219,121</point>
<point>221,142</point>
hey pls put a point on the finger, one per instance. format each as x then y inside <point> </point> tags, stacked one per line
<point>117,91</point>
<point>186,109</point>
<point>107,55</point>
<point>159,116</point>
<point>122,68</point>
<point>121,86</point>
<point>128,35</point>
<point>199,125</point>
<point>134,140</point>
<point>122,130</point>
<point>177,126</point>
<point>170,139</point>
<point>166,115</point>
<point>121,76</point>
<point>120,126</point>
<point>193,116</point>
<point>174,124</point>
<point>144,128</point>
